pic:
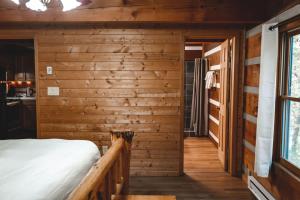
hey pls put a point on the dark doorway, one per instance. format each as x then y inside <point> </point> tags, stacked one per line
<point>18,89</point>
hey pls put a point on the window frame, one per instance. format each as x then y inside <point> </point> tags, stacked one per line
<point>285,33</point>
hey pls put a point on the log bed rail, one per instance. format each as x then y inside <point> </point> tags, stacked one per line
<point>109,177</point>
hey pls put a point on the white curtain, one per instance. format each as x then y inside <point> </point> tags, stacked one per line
<point>266,102</point>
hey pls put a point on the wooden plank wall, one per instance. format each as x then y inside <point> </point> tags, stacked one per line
<point>143,11</point>
<point>213,93</point>
<point>251,84</point>
<point>251,89</point>
<point>113,79</point>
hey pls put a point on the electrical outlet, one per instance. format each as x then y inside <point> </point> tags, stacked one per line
<point>53,91</point>
<point>49,70</point>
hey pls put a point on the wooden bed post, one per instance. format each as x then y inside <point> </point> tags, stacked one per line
<point>109,177</point>
<point>125,157</point>
<point>127,135</point>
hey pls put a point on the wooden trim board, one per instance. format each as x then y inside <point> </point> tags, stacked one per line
<point>212,51</point>
<point>250,118</point>
<point>193,48</point>
<point>214,102</point>
<point>213,137</point>
<point>252,61</point>
<point>254,31</point>
<point>250,89</point>
<point>215,67</point>
<point>249,146</point>
<point>212,118</point>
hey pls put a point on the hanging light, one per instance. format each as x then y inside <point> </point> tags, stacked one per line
<point>42,5</point>
<point>38,5</point>
<point>16,2</point>
<point>70,4</point>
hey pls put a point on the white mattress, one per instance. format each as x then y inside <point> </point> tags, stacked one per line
<point>43,169</point>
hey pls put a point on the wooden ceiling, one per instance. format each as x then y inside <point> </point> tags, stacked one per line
<point>145,11</point>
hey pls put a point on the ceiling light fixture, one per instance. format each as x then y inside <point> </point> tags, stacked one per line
<point>16,2</point>
<point>70,4</point>
<point>38,5</point>
<point>43,5</point>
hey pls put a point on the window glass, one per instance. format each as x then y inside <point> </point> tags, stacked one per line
<point>291,140</point>
<point>294,68</point>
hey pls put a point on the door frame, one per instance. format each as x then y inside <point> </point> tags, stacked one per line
<point>29,36</point>
<point>235,115</point>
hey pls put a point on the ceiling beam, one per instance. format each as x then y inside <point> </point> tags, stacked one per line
<point>205,15</point>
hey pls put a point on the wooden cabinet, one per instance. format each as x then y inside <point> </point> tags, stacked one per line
<point>19,71</point>
<point>28,66</point>
<point>7,63</point>
<point>24,67</point>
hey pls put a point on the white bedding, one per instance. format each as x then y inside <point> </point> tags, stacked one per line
<point>43,169</point>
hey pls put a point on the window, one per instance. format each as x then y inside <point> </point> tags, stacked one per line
<point>289,101</point>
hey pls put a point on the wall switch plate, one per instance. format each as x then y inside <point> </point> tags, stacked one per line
<point>53,91</point>
<point>49,70</point>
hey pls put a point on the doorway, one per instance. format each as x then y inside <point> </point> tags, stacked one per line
<point>18,89</point>
<point>207,64</point>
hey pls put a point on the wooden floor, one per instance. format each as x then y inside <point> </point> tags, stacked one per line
<point>204,177</point>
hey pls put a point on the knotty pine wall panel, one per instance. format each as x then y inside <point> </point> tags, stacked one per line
<point>113,79</point>
<point>214,94</point>
<point>250,132</point>
<point>251,104</point>
<point>213,128</point>
<point>249,157</point>
<point>251,85</point>
<point>252,75</point>
<point>279,183</point>
<point>214,111</point>
<point>253,46</point>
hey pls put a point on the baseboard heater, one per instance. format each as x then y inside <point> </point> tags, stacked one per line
<point>258,190</point>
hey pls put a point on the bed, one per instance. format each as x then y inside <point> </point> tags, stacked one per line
<point>64,169</point>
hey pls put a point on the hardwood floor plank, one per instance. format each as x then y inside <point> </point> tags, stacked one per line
<point>204,177</point>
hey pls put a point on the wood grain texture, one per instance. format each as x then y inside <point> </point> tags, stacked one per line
<point>192,54</point>
<point>204,177</point>
<point>214,59</point>
<point>110,174</point>
<point>252,75</point>
<point>214,94</point>
<point>250,132</point>
<point>253,46</point>
<point>146,197</point>
<point>146,101</point>
<point>275,7</point>
<point>213,110</point>
<point>185,11</point>
<point>113,79</point>
<point>250,101</point>
<point>279,183</point>
<point>213,127</point>
<point>251,78</point>
<point>251,104</point>
<point>249,159</point>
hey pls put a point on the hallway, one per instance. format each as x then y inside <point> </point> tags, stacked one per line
<point>204,177</point>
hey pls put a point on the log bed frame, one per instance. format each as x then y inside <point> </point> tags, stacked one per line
<point>109,177</point>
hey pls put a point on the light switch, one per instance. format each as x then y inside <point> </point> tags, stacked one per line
<point>49,70</point>
<point>53,91</point>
